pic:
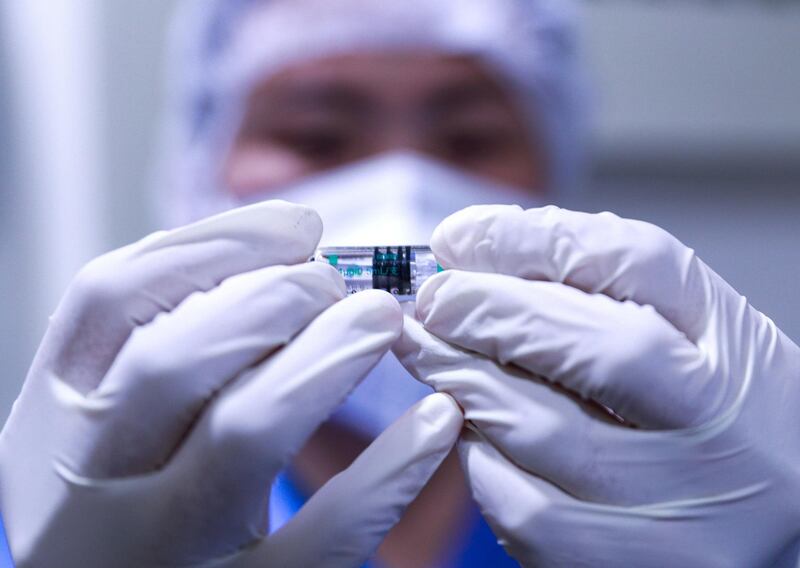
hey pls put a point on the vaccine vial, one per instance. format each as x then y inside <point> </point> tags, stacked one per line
<point>398,270</point>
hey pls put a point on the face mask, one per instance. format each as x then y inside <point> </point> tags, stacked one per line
<point>395,199</point>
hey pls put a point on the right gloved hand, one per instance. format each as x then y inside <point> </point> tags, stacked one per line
<point>177,377</point>
<point>545,315</point>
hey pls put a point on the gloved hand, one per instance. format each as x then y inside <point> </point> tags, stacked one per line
<point>545,317</point>
<point>177,377</point>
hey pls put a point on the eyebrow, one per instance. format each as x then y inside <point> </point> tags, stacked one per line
<point>341,97</point>
<point>336,97</point>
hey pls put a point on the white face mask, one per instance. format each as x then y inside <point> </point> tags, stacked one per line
<point>395,199</point>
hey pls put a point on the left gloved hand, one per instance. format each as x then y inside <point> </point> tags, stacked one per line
<point>177,377</point>
<point>545,317</point>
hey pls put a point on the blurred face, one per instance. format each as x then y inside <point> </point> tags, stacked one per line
<point>329,112</point>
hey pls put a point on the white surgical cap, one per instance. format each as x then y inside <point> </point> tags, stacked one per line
<point>222,47</point>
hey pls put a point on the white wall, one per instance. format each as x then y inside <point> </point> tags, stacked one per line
<point>52,195</point>
<point>80,82</point>
<point>133,34</point>
<point>702,83</point>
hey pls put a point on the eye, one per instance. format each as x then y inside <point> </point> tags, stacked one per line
<point>317,144</point>
<point>469,145</point>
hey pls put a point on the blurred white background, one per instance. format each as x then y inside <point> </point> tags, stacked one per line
<point>697,129</point>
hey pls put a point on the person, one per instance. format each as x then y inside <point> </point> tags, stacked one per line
<point>375,99</point>
<point>384,119</point>
<point>619,396</point>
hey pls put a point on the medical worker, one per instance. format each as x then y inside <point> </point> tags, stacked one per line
<point>181,374</point>
<point>625,406</point>
<point>384,118</point>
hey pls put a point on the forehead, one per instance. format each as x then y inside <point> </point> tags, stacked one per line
<point>403,77</point>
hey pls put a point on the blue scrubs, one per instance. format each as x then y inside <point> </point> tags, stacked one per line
<point>5,552</point>
<point>479,550</point>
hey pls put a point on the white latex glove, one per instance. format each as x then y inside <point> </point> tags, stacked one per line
<point>546,314</point>
<point>177,377</point>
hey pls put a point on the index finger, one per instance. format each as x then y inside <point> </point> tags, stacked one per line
<point>129,287</point>
<point>597,253</point>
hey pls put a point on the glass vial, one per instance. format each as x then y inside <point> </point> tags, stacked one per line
<point>399,270</point>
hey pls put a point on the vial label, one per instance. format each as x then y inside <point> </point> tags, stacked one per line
<point>399,270</point>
